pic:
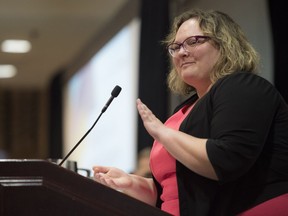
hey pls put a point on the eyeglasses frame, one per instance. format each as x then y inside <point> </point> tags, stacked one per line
<point>197,37</point>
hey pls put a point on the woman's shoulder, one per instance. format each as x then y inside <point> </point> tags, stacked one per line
<point>243,76</point>
<point>244,80</point>
<point>245,86</point>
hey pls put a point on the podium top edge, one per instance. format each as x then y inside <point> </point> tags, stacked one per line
<point>22,160</point>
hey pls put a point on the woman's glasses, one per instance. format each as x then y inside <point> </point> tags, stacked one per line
<point>187,44</point>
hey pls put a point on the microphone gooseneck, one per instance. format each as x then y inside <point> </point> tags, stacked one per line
<point>115,92</point>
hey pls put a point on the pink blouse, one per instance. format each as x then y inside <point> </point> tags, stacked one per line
<point>163,166</point>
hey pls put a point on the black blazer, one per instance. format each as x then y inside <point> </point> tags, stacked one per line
<point>246,122</point>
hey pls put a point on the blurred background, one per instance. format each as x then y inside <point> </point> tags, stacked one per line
<point>74,53</point>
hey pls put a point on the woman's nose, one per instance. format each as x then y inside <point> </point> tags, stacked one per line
<point>182,51</point>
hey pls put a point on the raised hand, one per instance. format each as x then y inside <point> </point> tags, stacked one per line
<point>152,124</point>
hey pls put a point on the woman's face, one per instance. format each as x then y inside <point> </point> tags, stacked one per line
<point>195,66</point>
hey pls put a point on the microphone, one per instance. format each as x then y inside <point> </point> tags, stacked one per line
<point>115,92</point>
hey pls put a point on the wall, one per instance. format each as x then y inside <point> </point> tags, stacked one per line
<point>23,120</point>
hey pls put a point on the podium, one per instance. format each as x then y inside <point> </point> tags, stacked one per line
<point>42,188</point>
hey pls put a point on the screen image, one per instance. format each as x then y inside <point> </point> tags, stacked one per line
<point>112,142</point>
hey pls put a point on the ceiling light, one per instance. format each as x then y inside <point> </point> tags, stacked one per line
<point>16,46</point>
<point>7,71</point>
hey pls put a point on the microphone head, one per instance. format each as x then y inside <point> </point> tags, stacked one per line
<point>115,92</point>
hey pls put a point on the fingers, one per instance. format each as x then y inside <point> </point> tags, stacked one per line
<point>104,179</point>
<point>100,174</point>
<point>142,108</point>
<point>100,169</point>
<point>139,105</point>
<point>108,176</point>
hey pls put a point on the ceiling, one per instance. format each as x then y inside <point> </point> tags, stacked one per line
<point>59,32</point>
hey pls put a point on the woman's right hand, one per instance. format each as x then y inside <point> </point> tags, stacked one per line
<point>112,177</point>
<point>139,187</point>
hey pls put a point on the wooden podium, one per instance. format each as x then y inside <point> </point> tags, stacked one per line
<point>40,188</point>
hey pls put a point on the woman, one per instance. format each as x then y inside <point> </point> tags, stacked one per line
<point>224,150</point>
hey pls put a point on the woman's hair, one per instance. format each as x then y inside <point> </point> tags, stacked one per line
<point>236,53</point>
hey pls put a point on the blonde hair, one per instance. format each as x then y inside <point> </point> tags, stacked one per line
<point>236,53</point>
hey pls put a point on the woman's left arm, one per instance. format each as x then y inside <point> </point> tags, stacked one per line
<point>189,150</point>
